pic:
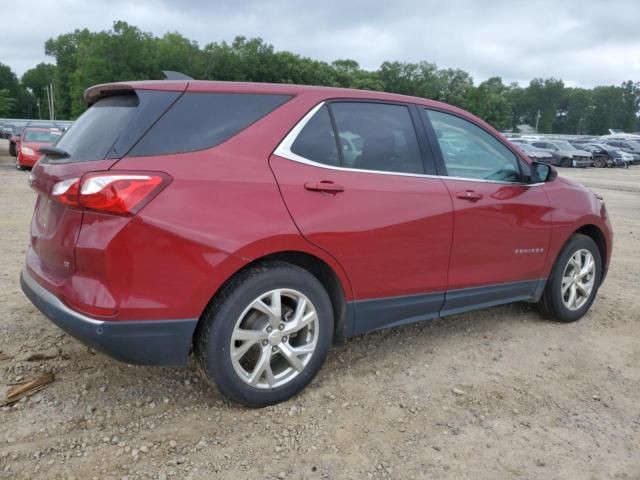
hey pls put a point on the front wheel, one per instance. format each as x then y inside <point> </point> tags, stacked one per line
<point>599,162</point>
<point>266,334</point>
<point>574,280</point>
<point>18,164</point>
<point>566,162</point>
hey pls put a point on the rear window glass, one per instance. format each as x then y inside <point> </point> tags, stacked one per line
<point>96,131</point>
<point>203,120</point>
<point>113,125</point>
<point>41,136</point>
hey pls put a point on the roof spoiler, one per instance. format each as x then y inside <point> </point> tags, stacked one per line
<point>171,75</point>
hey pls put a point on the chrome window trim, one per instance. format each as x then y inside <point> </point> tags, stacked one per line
<point>284,150</point>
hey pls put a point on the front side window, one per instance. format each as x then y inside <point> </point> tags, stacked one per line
<point>470,152</point>
<point>377,136</point>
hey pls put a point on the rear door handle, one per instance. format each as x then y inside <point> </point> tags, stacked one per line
<point>324,186</point>
<point>469,195</point>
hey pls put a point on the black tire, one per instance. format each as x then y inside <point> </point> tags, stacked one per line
<point>213,337</point>
<point>566,163</point>
<point>599,162</point>
<point>12,149</point>
<point>551,303</point>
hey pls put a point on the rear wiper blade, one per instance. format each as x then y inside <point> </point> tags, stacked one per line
<point>54,152</point>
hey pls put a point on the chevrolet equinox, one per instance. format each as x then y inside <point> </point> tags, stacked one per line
<point>253,224</point>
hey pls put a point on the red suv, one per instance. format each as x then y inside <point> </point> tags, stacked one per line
<point>253,224</point>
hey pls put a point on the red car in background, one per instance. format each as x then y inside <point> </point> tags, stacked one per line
<point>251,224</point>
<point>31,140</point>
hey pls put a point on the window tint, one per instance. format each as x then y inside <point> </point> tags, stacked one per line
<point>93,134</point>
<point>376,136</point>
<point>316,141</point>
<point>470,152</point>
<point>203,120</point>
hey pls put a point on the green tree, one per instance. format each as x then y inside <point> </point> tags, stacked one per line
<point>36,80</point>
<point>84,58</point>
<point>490,101</point>
<point>455,85</point>
<point>12,97</point>
<point>7,103</point>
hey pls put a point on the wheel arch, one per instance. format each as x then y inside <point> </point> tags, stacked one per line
<point>595,233</point>
<point>335,283</point>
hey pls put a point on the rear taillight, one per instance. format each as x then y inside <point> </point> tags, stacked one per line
<point>119,193</point>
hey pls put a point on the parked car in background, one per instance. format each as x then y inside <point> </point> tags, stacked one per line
<point>32,140</point>
<point>6,130</point>
<point>566,154</point>
<point>14,141</point>
<point>222,218</point>
<point>557,158</point>
<point>536,154</point>
<point>600,156</point>
<point>616,158</point>
<point>628,146</point>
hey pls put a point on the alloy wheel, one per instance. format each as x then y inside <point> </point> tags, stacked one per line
<point>578,279</point>
<point>274,338</point>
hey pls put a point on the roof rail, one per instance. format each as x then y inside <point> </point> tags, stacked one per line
<point>171,75</point>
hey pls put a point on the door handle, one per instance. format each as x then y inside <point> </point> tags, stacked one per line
<point>469,195</point>
<point>324,186</point>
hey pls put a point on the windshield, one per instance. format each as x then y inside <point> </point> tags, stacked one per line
<point>40,136</point>
<point>562,145</point>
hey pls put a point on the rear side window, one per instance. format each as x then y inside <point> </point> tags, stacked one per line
<point>377,136</point>
<point>203,120</point>
<point>317,141</point>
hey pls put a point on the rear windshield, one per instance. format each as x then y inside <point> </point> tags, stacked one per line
<point>203,120</point>
<point>111,126</point>
<point>95,132</point>
<point>41,137</point>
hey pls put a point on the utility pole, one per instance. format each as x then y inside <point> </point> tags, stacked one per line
<point>538,115</point>
<point>46,89</point>
<point>53,111</point>
<point>39,112</point>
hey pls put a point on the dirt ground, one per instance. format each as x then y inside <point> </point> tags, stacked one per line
<point>499,393</point>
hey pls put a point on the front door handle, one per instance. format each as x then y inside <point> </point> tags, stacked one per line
<point>324,186</point>
<point>469,195</point>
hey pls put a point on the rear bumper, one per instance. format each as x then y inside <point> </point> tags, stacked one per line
<point>147,342</point>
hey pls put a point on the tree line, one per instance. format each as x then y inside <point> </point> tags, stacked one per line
<point>84,58</point>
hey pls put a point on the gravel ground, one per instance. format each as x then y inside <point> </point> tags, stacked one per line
<point>499,393</point>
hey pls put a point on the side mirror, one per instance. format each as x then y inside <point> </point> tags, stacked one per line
<point>541,172</point>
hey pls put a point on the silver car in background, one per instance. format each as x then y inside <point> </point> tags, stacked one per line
<point>566,154</point>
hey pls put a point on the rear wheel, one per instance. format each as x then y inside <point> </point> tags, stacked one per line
<point>12,149</point>
<point>266,335</point>
<point>574,280</point>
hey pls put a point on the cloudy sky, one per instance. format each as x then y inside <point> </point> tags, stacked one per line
<point>583,42</point>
